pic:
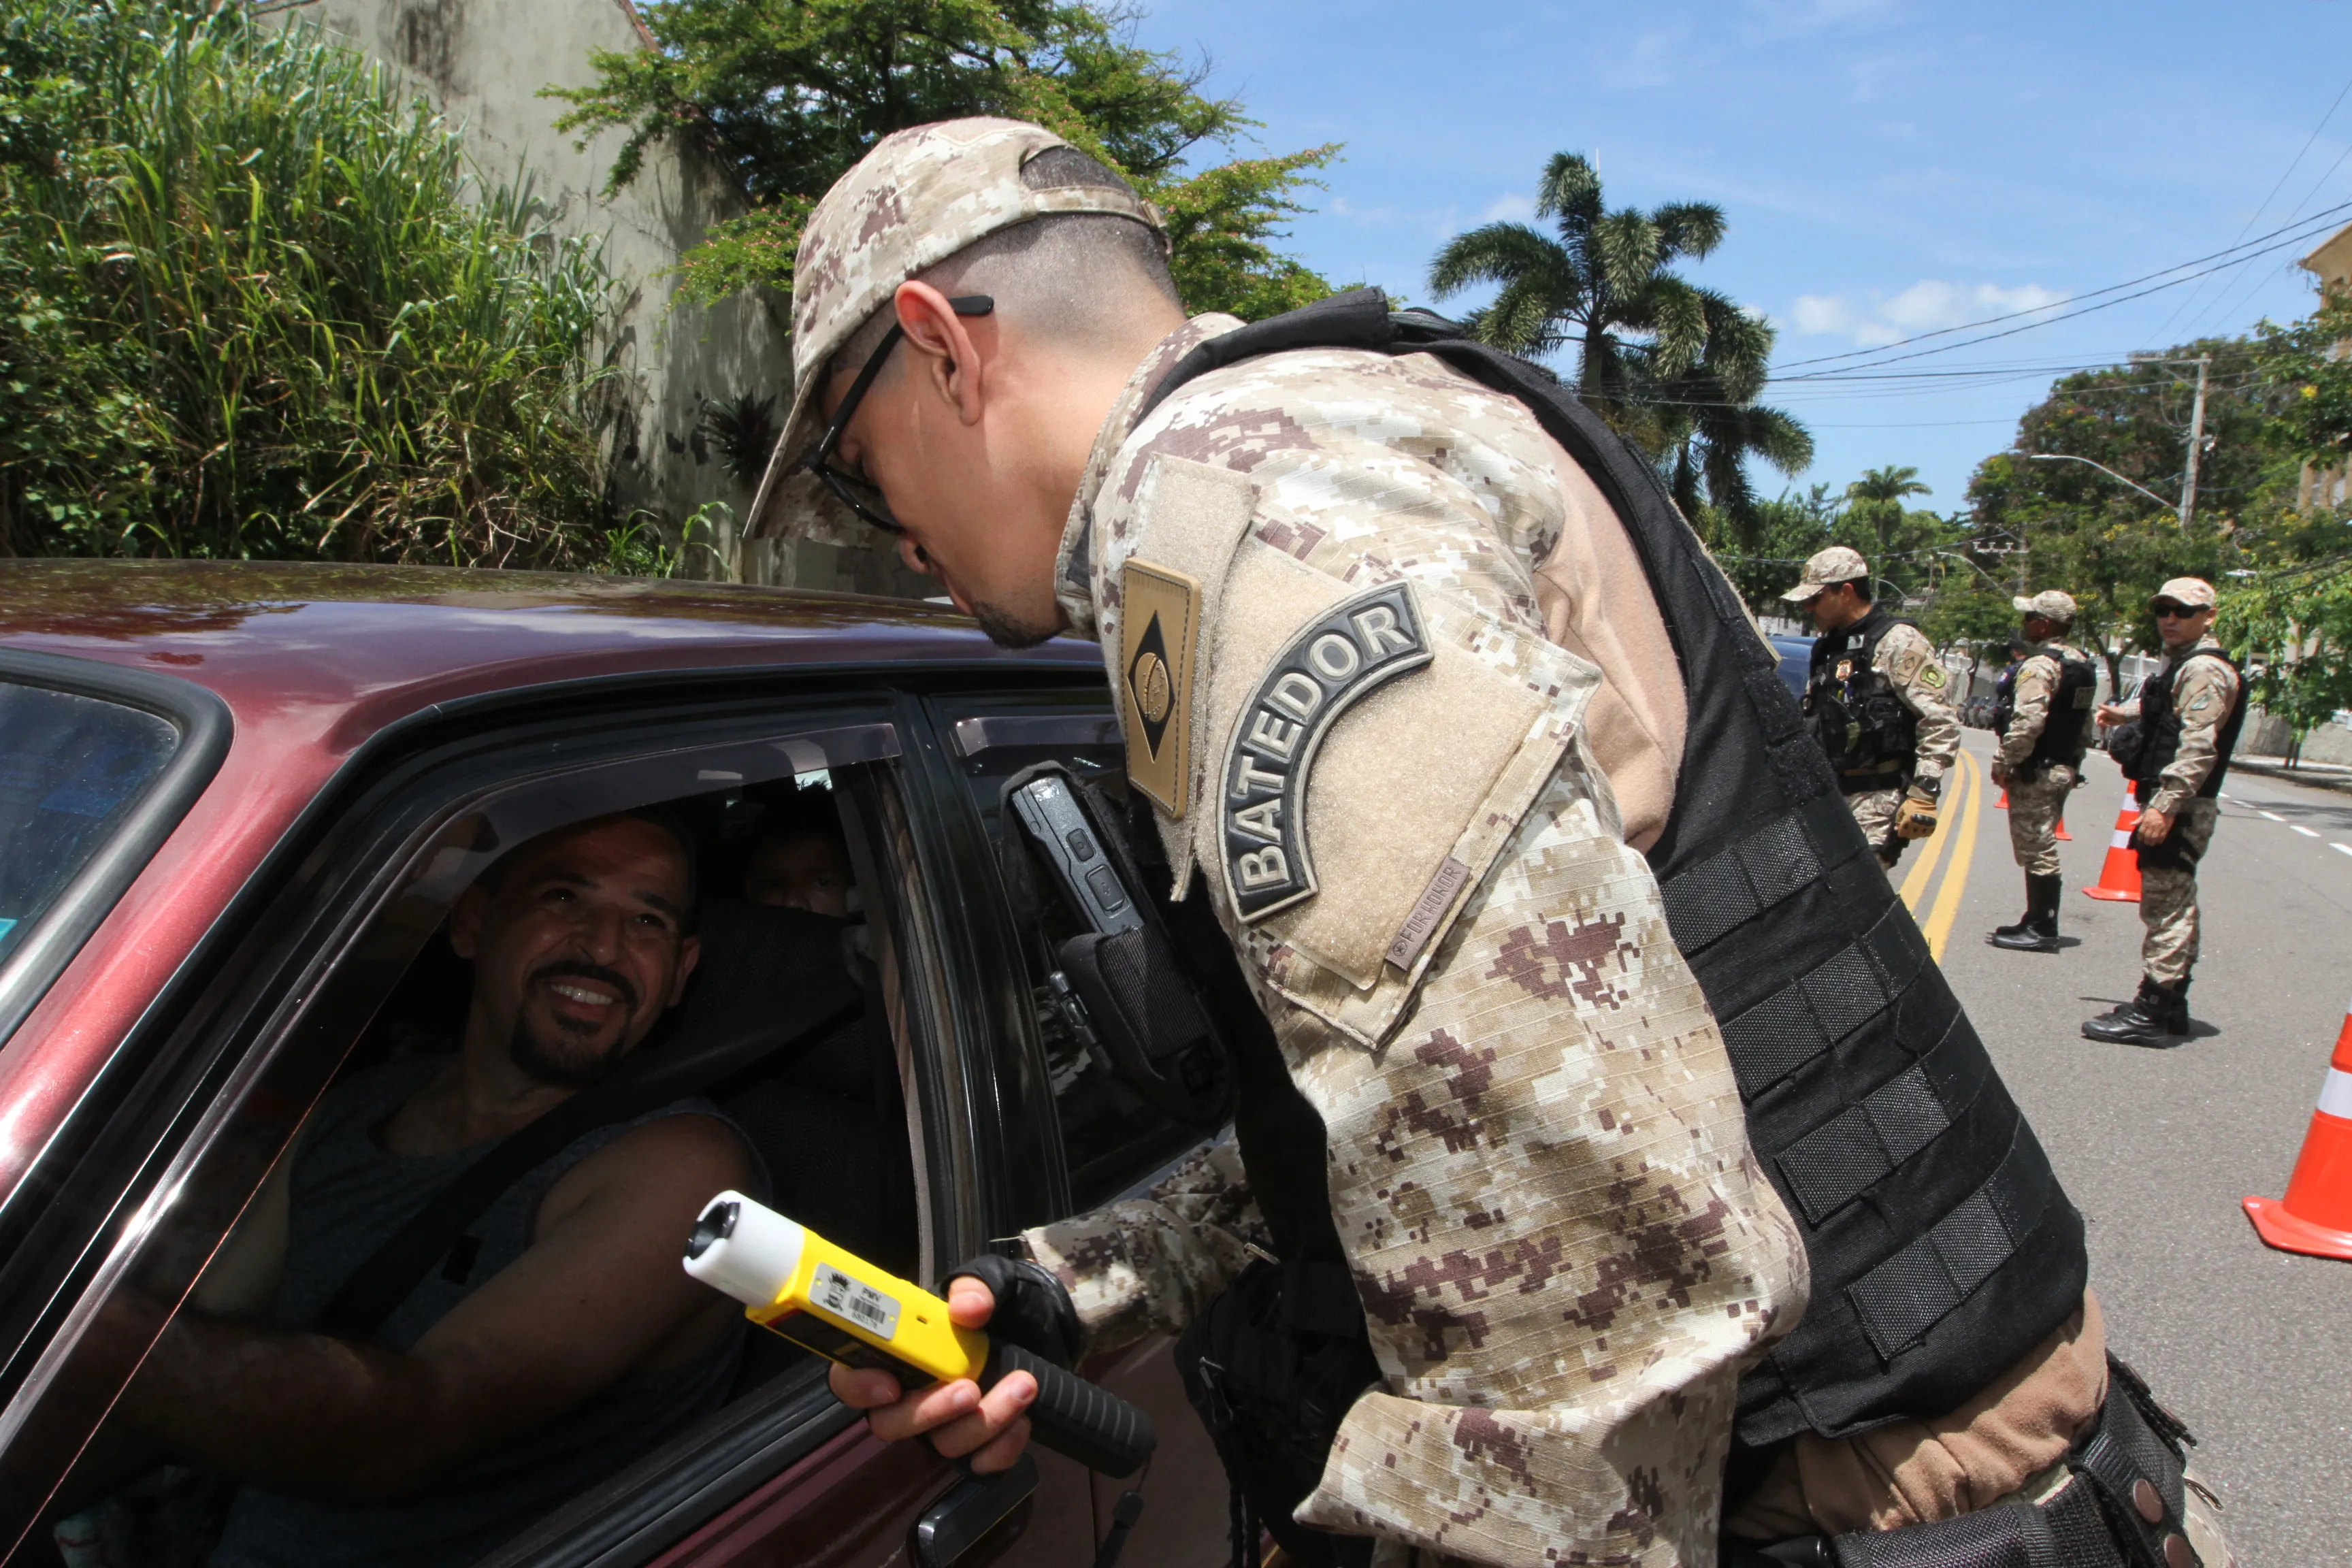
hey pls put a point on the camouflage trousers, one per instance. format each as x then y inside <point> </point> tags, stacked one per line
<point>1873,812</point>
<point>2034,808</point>
<point>2167,899</point>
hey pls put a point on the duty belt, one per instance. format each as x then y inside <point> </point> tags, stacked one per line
<point>2122,1506</point>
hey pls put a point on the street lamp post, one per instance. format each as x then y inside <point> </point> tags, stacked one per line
<point>2070,457</point>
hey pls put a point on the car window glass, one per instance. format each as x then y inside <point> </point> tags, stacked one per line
<point>71,767</point>
<point>792,1028</point>
<point>1110,1136</point>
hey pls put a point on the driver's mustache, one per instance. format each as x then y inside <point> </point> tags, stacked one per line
<point>579,968</point>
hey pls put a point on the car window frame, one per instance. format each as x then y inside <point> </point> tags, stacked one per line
<point>234,1028</point>
<point>1029,1113</point>
<point>204,728</point>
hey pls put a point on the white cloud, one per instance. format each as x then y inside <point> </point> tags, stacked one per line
<point>1510,207</point>
<point>1928,306</point>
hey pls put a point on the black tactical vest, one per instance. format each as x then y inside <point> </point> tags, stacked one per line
<point>1942,1250</point>
<point>2066,734</point>
<point>2161,723</point>
<point>1866,730</point>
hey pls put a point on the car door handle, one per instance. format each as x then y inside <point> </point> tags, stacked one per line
<point>956,1523</point>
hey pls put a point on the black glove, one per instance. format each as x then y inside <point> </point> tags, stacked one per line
<point>1033,1311</point>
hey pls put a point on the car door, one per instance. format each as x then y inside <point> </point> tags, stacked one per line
<point>1105,1142</point>
<point>299,980</point>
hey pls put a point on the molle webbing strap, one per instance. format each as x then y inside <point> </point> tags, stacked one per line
<point>1903,1298</point>
<point>1733,886</point>
<point>1805,1017</point>
<point>1862,1144</point>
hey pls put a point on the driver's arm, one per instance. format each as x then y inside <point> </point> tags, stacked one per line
<point>598,1294</point>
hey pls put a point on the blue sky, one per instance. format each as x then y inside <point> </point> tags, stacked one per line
<point>1887,167</point>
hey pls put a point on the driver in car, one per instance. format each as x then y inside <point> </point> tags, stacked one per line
<point>558,1339</point>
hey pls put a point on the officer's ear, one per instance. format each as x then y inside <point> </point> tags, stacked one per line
<point>943,354</point>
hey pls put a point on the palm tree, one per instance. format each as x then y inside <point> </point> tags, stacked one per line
<point>1602,284</point>
<point>1711,423</point>
<point>1876,500</point>
<point>1675,366</point>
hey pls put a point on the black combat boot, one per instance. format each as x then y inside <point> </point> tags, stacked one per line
<point>2038,931</point>
<point>2025,922</point>
<point>2155,1018</point>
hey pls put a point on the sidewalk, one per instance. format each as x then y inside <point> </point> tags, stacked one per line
<point>2313,775</point>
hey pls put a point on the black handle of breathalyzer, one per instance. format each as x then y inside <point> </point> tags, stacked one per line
<point>1074,1417</point>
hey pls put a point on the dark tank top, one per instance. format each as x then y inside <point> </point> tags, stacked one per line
<point>347,1196</point>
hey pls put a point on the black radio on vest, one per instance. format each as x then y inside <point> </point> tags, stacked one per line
<point>1867,732</point>
<point>1942,1250</point>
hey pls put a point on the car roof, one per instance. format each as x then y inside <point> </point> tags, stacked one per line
<point>374,644</point>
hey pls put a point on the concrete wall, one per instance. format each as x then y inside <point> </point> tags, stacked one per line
<point>483,63</point>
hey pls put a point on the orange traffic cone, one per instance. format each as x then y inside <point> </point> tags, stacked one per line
<point>2002,804</point>
<point>2120,877</point>
<point>2316,1214</point>
<point>2063,836</point>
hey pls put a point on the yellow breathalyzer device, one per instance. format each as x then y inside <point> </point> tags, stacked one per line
<point>796,1283</point>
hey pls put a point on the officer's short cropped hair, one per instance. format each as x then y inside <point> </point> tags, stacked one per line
<point>1074,277</point>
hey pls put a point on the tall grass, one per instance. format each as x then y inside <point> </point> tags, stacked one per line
<point>254,302</point>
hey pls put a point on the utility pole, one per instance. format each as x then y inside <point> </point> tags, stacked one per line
<point>2196,445</point>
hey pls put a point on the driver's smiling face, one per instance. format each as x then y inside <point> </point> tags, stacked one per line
<point>581,946</point>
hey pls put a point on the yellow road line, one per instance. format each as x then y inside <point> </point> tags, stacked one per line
<point>1956,878</point>
<point>1923,871</point>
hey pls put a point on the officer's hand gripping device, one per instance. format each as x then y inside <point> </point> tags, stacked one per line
<point>797,1284</point>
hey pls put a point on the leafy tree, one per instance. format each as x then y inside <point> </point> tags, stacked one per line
<point>2294,628</point>
<point>791,93</point>
<point>2066,525</point>
<point>1793,529</point>
<point>260,307</point>
<point>1675,366</point>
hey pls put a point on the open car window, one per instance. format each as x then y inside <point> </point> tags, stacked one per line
<point>1111,1137</point>
<point>802,1030</point>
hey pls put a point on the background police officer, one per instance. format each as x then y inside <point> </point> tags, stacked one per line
<point>2044,725</point>
<point>1879,701</point>
<point>2188,714</point>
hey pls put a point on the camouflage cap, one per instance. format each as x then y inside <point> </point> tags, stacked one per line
<point>1831,566</point>
<point>2049,604</point>
<point>2194,592</point>
<point>918,197</point>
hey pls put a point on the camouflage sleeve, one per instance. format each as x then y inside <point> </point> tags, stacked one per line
<point>2203,691</point>
<point>1149,1265</point>
<point>1907,658</point>
<point>1566,1250</point>
<point>2037,682</point>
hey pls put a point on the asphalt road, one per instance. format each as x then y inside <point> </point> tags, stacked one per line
<point>2252,1348</point>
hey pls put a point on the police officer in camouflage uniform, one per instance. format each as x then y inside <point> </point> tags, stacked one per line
<point>1362,600</point>
<point>2044,723</point>
<point>2188,718</point>
<point>1879,703</point>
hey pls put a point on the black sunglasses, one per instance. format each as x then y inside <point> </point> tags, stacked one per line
<point>2165,607</point>
<point>856,491</point>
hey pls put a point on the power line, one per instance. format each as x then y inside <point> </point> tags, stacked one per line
<point>2255,217</point>
<point>2050,314</point>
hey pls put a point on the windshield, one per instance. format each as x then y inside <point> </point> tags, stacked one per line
<point>72,769</point>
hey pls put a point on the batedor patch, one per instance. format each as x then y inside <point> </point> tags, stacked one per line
<point>1342,653</point>
<point>1161,615</point>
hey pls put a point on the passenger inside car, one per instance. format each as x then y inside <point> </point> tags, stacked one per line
<point>799,860</point>
<point>558,1337</point>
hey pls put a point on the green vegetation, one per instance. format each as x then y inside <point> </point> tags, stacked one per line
<point>258,305</point>
<point>1675,366</point>
<point>790,95</point>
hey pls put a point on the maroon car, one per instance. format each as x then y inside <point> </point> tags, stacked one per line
<point>238,803</point>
